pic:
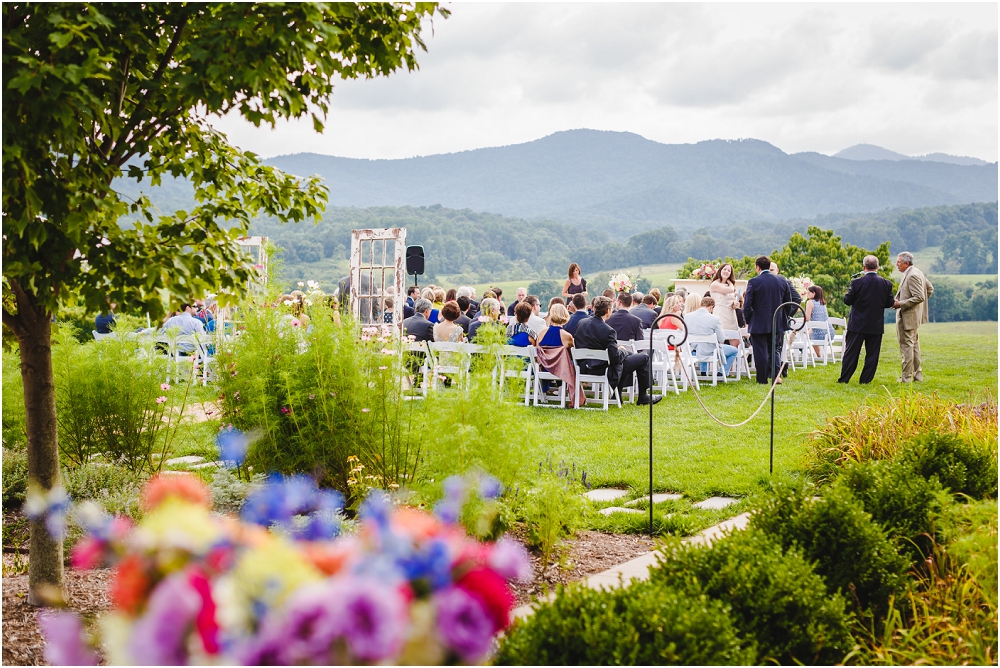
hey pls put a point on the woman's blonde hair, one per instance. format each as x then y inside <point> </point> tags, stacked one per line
<point>670,303</point>
<point>558,315</point>
<point>439,294</point>
<point>693,303</point>
<point>428,294</point>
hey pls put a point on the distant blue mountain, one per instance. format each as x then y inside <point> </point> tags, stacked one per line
<point>873,152</point>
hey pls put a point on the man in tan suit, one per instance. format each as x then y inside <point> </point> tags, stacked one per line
<point>911,302</point>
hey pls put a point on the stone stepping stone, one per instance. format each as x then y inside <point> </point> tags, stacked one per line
<point>189,459</point>
<point>657,498</point>
<point>606,494</point>
<point>206,465</point>
<point>715,503</point>
<point>617,509</point>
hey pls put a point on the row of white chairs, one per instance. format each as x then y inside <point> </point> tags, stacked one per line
<point>179,350</point>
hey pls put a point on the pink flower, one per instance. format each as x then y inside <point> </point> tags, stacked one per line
<point>164,386</point>
<point>161,399</point>
<point>64,646</point>
<point>510,561</point>
<point>382,368</point>
<point>295,322</point>
<point>285,410</point>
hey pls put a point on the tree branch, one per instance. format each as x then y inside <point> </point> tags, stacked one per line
<point>164,63</point>
<point>13,323</point>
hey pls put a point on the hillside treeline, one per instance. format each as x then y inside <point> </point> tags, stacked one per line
<point>482,247</point>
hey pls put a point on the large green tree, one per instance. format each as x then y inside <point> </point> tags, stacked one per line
<point>93,92</point>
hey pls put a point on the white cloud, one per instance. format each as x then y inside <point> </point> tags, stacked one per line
<point>916,78</point>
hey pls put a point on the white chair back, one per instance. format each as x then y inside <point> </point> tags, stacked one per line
<point>603,391</point>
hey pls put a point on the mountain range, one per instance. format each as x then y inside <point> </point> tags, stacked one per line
<point>624,183</point>
<point>873,152</point>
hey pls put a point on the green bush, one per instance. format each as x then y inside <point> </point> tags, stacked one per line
<point>959,464</point>
<point>15,477</point>
<point>116,488</point>
<point>645,624</point>
<point>969,534</point>
<point>553,509</point>
<point>777,603</point>
<point>902,503</point>
<point>229,492</point>
<point>13,403</point>
<point>850,551</point>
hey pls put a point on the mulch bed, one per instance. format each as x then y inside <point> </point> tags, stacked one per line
<point>589,553</point>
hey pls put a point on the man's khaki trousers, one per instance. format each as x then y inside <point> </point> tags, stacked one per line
<point>909,349</point>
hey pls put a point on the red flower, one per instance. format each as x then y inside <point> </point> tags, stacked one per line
<point>129,585</point>
<point>493,592</point>
<point>87,553</point>
<point>208,628</point>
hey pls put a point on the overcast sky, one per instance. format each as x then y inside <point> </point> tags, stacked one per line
<point>913,78</point>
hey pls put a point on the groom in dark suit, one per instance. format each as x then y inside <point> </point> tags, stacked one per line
<point>765,293</point>
<point>868,298</point>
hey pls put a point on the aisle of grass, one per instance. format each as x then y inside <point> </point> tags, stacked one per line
<point>695,456</point>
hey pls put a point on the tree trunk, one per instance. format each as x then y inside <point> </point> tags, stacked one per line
<point>45,561</point>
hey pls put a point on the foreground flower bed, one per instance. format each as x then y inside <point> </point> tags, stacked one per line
<point>193,587</point>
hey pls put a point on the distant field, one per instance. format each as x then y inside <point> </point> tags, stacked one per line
<point>963,279</point>
<point>978,328</point>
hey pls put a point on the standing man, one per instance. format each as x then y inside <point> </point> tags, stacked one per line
<point>596,334</point>
<point>868,297</point>
<point>911,302</point>
<point>765,293</point>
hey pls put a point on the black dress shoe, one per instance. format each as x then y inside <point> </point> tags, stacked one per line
<point>645,401</point>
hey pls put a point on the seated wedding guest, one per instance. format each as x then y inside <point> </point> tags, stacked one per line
<point>105,322</point>
<point>548,309</point>
<point>816,312</point>
<point>469,293</point>
<point>672,304</point>
<point>451,295</point>
<point>627,326</point>
<point>498,295</point>
<point>428,294</point>
<point>553,348</point>
<point>609,293</point>
<point>682,292</point>
<point>184,323</point>
<point>439,297</point>
<point>644,310</point>
<point>465,319</point>
<point>580,303</point>
<point>657,296</point>
<point>692,303</point>
<point>489,315</point>
<point>521,294</point>
<point>412,295</point>
<point>702,322</point>
<point>535,320</point>
<point>518,332</point>
<point>555,333</point>
<point>448,329</point>
<point>417,325</point>
<point>387,312</point>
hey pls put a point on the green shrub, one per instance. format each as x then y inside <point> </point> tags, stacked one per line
<point>777,603</point>
<point>13,403</point>
<point>850,551</point>
<point>645,624</point>
<point>901,502</point>
<point>229,492</point>
<point>553,509</point>
<point>961,465</point>
<point>15,477</point>
<point>116,488</point>
<point>969,535</point>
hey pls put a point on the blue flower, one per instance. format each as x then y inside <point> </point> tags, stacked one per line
<point>233,445</point>
<point>489,487</point>
<point>454,487</point>
<point>375,508</point>
<point>448,510</point>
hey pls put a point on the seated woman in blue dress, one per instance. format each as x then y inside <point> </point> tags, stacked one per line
<point>518,333</point>
<point>554,336</point>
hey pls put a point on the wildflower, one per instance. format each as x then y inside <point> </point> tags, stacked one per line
<point>382,368</point>
<point>186,487</point>
<point>129,583</point>
<point>301,284</point>
<point>236,394</point>
<point>509,559</point>
<point>164,386</point>
<point>295,322</point>
<point>64,646</point>
<point>233,446</point>
<point>160,635</point>
<point>489,487</point>
<point>311,397</point>
<point>492,592</point>
<point>285,410</point>
<point>161,399</point>
<point>463,623</point>
<point>333,394</point>
<point>374,617</point>
<point>52,506</point>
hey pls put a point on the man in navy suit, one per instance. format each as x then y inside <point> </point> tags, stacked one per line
<point>580,303</point>
<point>417,325</point>
<point>765,293</point>
<point>627,326</point>
<point>868,297</point>
<point>596,334</point>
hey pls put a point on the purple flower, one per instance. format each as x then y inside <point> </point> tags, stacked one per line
<point>64,645</point>
<point>233,446</point>
<point>159,637</point>
<point>310,624</point>
<point>448,510</point>
<point>463,624</point>
<point>489,487</point>
<point>374,617</point>
<point>375,508</point>
<point>510,560</point>
<point>454,487</point>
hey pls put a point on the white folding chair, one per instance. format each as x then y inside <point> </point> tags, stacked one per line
<point>797,347</point>
<point>670,361</point>
<point>98,336</point>
<point>424,370</point>
<point>540,375</point>
<point>205,356</point>
<point>524,368</point>
<point>837,343</point>
<point>714,366</point>
<point>740,364</point>
<point>600,385</point>
<point>448,358</point>
<point>825,343</point>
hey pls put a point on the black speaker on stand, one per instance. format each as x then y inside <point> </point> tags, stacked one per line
<point>415,261</point>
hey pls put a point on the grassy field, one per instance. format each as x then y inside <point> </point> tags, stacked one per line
<point>699,458</point>
<point>978,328</point>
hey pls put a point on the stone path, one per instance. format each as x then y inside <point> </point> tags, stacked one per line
<point>657,498</point>
<point>638,568</point>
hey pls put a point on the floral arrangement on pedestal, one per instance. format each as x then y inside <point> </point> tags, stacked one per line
<point>621,282</point>
<point>801,285</point>
<point>283,586</point>
<point>704,273</point>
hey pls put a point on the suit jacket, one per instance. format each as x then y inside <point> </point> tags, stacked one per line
<point>418,326</point>
<point>628,327</point>
<point>574,320</point>
<point>595,334</point>
<point>868,297</point>
<point>407,311</point>
<point>645,314</point>
<point>914,291</point>
<point>703,323</point>
<point>765,293</point>
<point>464,321</point>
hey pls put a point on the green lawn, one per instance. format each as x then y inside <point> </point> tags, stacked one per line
<point>695,456</point>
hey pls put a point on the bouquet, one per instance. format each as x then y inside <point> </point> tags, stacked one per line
<point>282,585</point>
<point>621,283</point>
<point>704,273</point>
<point>801,285</point>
